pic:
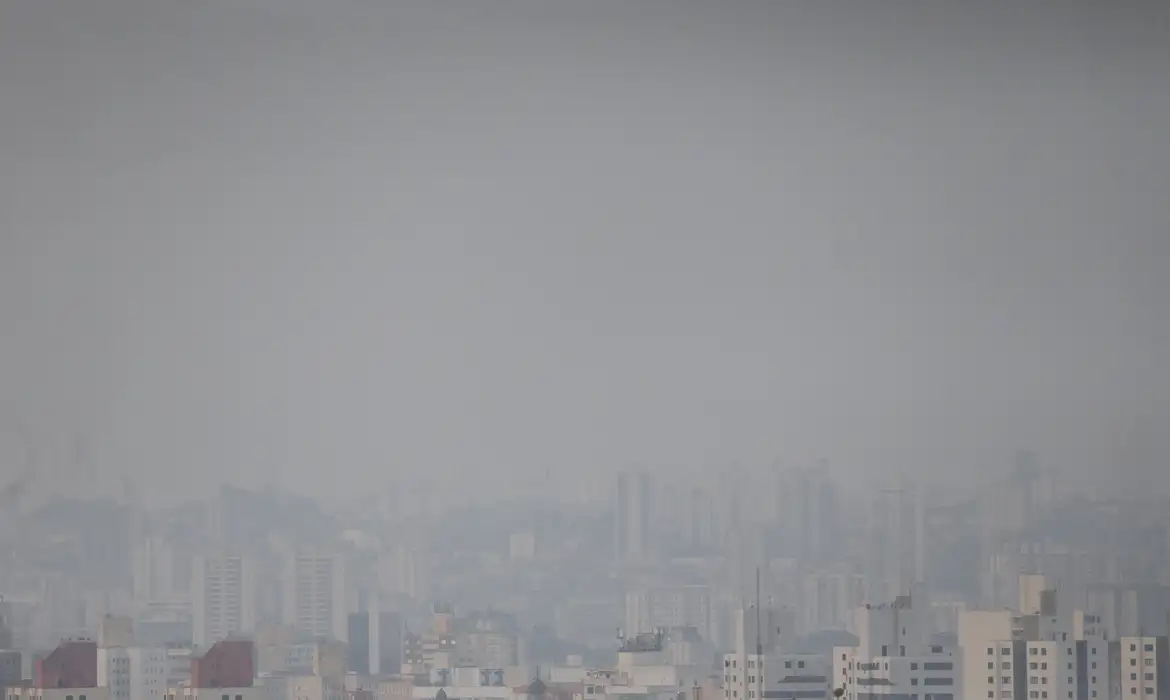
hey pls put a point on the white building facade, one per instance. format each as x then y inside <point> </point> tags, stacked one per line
<point>223,598</point>
<point>315,595</point>
<point>777,677</point>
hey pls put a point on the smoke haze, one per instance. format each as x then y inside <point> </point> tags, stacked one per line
<point>267,242</point>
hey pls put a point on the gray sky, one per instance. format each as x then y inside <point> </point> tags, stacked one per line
<point>254,241</point>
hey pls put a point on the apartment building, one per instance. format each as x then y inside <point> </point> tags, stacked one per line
<point>927,677</point>
<point>1143,668</point>
<point>133,673</point>
<point>788,676</point>
<point>315,595</point>
<point>223,597</point>
<point>895,657</point>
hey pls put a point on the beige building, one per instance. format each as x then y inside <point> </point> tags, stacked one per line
<point>1144,668</point>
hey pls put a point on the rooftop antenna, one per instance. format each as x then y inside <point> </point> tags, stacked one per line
<point>759,644</point>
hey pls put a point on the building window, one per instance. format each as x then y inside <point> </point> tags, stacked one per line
<point>990,651</point>
<point>1149,647</point>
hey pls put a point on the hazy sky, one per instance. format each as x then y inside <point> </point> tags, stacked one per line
<point>258,241</point>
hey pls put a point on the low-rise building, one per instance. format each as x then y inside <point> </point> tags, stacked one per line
<point>223,672</point>
<point>69,672</point>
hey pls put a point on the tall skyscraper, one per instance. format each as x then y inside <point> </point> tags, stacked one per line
<point>315,595</point>
<point>386,647</point>
<point>375,643</point>
<point>223,596</point>
<point>633,538</point>
<point>651,608</point>
<point>808,513</point>
<point>154,570</point>
<point>357,651</point>
<point>897,547</point>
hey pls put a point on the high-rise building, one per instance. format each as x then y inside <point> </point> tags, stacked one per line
<point>897,540</point>
<point>896,657</point>
<point>829,599</point>
<point>1049,654</point>
<point>807,513</point>
<point>1144,668</point>
<point>670,607</point>
<point>154,570</point>
<point>357,659</point>
<point>404,571</point>
<point>387,632</point>
<point>789,676</point>
<point>375,642</point>
<point>223,597</point>
<point>701,527</point>
<point>633,539</point>
<point>1130,610</point>
<point>985,641</point>
<point>315,595</point>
